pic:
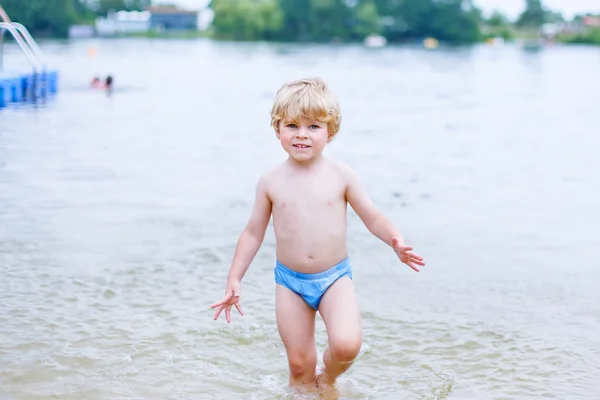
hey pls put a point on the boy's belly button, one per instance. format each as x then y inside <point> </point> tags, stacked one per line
<point>309,260</point>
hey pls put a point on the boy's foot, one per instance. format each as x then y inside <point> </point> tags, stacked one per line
<point>326,386</point>
<point>306,390</point>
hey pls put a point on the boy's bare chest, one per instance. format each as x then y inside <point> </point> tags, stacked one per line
<point>298,197</point>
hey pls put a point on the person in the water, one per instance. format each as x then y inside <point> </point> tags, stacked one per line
<point>307,195</point>
<point>108,84</point>
<point>96,83</point>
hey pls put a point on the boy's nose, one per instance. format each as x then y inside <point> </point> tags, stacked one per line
<point>302,133</point>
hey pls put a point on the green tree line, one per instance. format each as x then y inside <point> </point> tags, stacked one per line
<point>458,21</point>
<point>346,20</point>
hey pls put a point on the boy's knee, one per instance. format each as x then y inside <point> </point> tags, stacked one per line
<point>345,349</point>
<point>302,363</point>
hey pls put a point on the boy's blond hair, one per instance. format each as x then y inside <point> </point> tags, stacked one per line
<point>306,100</point>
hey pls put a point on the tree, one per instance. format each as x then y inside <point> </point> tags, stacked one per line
<point>104,6</point>
<point>367,19</point>
<point>497,20</point>
<point>51,18</point>
<point>138,5</point>
<point>533,16</point>
<point>246,19</point>
<point>296,15</point>
<point>455,22</point>
<point>329,19</point>
<point>553,17</point>
<point>448,20</point>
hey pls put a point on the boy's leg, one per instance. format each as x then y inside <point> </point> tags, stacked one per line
<point>340,312</point>
<point>296,325</point>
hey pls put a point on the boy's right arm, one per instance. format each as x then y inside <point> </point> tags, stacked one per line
<point>247,246</point>
<point>253,235</point>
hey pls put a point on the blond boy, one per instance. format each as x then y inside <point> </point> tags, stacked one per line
<point>308,195</point>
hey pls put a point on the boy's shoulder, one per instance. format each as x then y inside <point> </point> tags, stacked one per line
<point>272,171</point>
<point>270,174</point>
<point>342,168</point>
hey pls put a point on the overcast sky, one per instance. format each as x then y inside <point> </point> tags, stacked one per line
<point>510,7</point>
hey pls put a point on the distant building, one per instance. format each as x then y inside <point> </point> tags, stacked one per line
<point>123,22</point>
<point>591,21</point>
<point>81,31</point>
<point>171,18</point>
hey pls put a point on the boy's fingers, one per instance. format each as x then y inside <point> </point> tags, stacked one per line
<point>239,308</point>
<point>413,266</point>
<point>228,314</point>
<point>417,260</point>
<point>413,256</point>
<point>218,312</point>
<point>222,301</point>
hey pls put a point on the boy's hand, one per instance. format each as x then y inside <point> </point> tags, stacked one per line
<point>406,256</point>
<point>231,298</point>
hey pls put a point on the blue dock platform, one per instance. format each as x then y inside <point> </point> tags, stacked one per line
<point>20,86</point>
<point>27,87</point>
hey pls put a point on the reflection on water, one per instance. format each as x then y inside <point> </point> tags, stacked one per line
<point>119,216</point>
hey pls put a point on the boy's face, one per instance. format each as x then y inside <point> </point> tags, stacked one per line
<point>305,140</point>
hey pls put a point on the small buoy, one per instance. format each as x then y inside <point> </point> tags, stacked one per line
<point>430,43</point>
<point>91,52</point>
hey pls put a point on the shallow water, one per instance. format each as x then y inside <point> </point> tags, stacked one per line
<point>119,216</point>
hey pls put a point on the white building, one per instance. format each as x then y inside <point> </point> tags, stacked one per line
<point>123,22</point>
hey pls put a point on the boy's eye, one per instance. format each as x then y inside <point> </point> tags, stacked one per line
<point>291,125</point>
<point>315,127</point>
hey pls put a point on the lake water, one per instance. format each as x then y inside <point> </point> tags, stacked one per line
<point>119,216</point>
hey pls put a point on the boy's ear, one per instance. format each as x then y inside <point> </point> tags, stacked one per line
<point>276,128</point>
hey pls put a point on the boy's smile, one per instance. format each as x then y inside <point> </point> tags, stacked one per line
<point>305,140</point>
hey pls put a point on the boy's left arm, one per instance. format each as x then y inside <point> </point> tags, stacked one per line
<point>377,223</point>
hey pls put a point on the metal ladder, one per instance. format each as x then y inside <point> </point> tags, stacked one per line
<point>24,40</point>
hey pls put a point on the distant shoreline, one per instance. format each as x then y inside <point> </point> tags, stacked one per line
<point>591,37</point>
<point>574,39</point>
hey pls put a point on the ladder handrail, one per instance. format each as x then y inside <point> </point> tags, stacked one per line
<point>20,29</point>
<point>4,15</point>
<point>32,57</point>
<point>5,18</point>
<point>30,41</point>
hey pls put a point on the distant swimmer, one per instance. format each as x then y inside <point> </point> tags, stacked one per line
<point>307,196</point>
<point>108,84</point>
<point>97,83</point>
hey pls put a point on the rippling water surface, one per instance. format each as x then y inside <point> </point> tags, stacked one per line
<point>119,216</point>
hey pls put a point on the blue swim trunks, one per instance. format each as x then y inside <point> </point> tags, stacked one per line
<point>311,287</point>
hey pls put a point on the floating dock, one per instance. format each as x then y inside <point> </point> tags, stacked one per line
<point>27,87</point>
<point>24,86</point>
